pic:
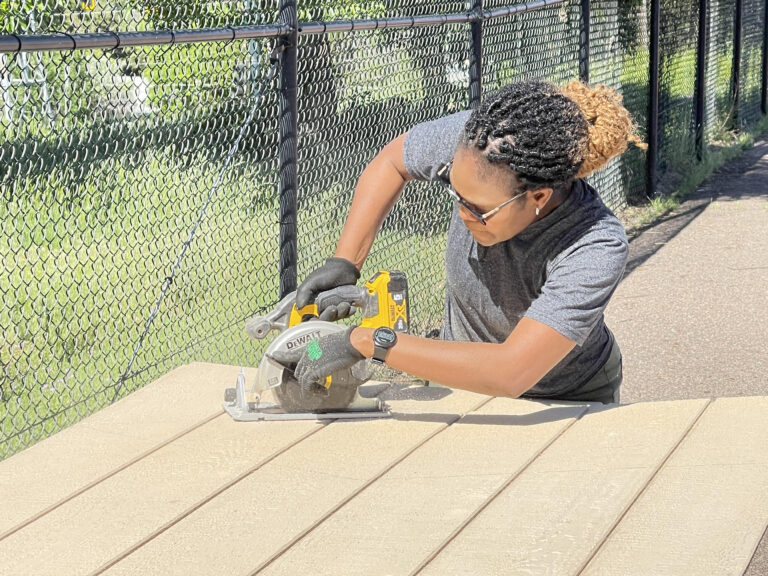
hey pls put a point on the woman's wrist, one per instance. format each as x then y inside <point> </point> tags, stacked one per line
<point>362,340</point>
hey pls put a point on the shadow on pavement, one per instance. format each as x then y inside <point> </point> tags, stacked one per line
<point>742,177</point>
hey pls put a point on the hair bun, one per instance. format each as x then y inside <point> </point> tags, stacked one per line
<point>610,125</point>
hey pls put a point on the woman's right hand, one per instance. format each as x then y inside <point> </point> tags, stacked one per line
<point>334,273</point>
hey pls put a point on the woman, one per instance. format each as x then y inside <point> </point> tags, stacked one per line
<point>533,254</point>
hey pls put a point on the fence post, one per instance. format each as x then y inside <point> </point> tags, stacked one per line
<point>653,101</point>
<point>288,130</point>
<point>764,89</point>
<point>476,55</point>
<point>736,69</point>
<point>701,81</point>
<point>584,41</point>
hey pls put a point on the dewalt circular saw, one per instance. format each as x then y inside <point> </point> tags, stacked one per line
<point>383,301</point>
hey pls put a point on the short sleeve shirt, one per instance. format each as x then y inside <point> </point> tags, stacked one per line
<point>561,270</point>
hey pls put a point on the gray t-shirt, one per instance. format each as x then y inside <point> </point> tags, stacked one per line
<point>561,270</point>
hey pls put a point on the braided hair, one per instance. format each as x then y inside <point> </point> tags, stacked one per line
<point>548,135</point>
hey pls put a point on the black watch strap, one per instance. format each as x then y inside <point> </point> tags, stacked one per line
<point>383,340</point>
<point>379,354</point>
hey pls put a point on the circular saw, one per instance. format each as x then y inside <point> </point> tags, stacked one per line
<point>335,394</point>
<point>383,301</point>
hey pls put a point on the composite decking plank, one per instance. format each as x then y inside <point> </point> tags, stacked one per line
<point>48,473</point>
<point>90,529</point>
<point>551,517</point>
<point>392,526</point>
<point>256,518</point>
<point>707,508</point>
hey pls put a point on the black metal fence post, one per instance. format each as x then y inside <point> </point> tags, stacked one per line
<point>584,41</point>
<point>288,133</point>
<point>701,81</point>
<point>476,56</point>
<point>653,101</point>
<point>764,88</point>
<point>736,69</point>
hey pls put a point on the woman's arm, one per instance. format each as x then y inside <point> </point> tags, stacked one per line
<point>377,190</point>
<point>506,369</point>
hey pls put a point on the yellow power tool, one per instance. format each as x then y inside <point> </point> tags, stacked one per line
<point>383,301</point>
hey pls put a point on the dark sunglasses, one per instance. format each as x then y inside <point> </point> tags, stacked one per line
<point>445,178</point>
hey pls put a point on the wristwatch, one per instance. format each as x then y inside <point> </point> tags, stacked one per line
<point>383,339</point>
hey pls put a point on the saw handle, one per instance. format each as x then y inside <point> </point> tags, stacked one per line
<point>354,295</point>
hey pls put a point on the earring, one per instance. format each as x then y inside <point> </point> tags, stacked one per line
<point>537,211</point>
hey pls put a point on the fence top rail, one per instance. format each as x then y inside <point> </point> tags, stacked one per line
<point>13,43</point>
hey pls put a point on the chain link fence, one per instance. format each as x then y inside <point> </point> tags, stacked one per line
<point>750,81</point>
<point>148,152</point>
<point>719,41</point>
<point>678,40</point>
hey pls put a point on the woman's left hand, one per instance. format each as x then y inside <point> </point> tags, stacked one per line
<point>320,358</point>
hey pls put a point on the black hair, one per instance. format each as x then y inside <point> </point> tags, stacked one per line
<point>533,128</point>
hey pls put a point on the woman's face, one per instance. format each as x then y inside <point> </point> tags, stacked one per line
<point>485,186</point>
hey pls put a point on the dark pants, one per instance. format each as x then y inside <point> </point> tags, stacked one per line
<point>603,386</point>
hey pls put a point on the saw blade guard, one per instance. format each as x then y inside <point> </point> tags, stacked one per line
<point>271,374</point>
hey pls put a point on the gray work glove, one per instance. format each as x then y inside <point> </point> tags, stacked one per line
<point>334,273</point>
<point>320,358</point>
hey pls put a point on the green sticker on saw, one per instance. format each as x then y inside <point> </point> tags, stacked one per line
<point>313,350</point>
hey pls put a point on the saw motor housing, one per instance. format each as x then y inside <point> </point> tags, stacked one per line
<point>383,299</point>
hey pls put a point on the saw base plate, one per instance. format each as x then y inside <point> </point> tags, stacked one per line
<point>236,404</point>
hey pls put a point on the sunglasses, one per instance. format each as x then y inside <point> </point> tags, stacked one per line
<point>445,178</point>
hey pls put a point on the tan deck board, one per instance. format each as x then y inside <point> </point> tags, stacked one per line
<point>551,518</point>
<point>164,483</point>
<point>391,527</point>
<point>244,526</point>
<point>130,506</point>
<point>706,510</point>
<point>54,469</point>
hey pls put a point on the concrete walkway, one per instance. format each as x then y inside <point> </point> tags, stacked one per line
<point>692,312</point>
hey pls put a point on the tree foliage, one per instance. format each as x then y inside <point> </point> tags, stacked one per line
<point>194,14</point>
<point>14,14</point>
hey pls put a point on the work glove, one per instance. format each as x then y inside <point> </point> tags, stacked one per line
<point>334,273</point>
<point>321,357</point>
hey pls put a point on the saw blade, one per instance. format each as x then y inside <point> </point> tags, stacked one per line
<point>289,393</point>
<point>294,398</point>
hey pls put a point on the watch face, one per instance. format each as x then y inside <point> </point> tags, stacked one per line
<point>384,337</point>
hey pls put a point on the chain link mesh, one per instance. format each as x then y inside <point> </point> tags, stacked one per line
<point>107,159</point>
<point>607,63</point>
<point>751,62</point>
<point>619,58</point>
<point>90,16</point>
<point>96,202</point>
<point>678,38</point>
<point>719,112</point>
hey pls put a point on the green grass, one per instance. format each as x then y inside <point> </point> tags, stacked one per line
<point>85,262</point>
